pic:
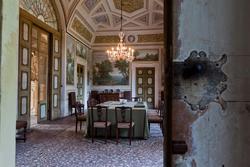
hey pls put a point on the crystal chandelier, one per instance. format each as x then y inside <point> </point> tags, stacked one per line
<point>122,52</point>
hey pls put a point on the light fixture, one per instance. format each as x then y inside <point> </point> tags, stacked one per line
<point>121,52</point>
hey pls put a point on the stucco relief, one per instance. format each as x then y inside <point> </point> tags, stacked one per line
<point>199,81</point>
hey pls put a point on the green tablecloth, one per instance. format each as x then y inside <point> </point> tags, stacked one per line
<point>139,115</point>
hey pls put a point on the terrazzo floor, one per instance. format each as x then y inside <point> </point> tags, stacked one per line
<point>55,144</point>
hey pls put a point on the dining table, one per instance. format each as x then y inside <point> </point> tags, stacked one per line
<point>139,117</point>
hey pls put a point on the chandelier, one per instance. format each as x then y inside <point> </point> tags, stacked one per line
<point>121,52</point>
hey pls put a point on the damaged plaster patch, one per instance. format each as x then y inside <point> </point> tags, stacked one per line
<point>199,81</point>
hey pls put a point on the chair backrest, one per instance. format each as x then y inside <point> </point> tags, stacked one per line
<point>92,102</point>
<point>127,95</point>
<point>123,114</point>
<point>79,108</point>
<point>161,108</point>
<point>99,114</point>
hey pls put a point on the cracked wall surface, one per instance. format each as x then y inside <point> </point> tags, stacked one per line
<point>199,81</point>
<point>216,136</point>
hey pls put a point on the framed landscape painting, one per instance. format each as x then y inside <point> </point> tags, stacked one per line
<point>108,73</point>
<point>81,50</point>
<point>146,55</point>
<point>70,60</point>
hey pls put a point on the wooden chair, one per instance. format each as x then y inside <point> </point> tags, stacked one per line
<point>156,116</point>
<point>123,116</point>
<point>100,122</point>
<point>92,102</point>
<point>127,95</point>
<point>79,114</point>
<point>19,126</point>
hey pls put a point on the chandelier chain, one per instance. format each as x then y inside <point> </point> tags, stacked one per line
<point>121,52</point>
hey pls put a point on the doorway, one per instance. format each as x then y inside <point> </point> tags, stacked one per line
<point>145,85</point>
<point>80,83</point>
<point>39,75</point>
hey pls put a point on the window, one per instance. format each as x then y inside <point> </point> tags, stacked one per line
<point>42,9</point>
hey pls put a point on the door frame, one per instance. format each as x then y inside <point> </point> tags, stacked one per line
<point>82,82</point>
<point>84,63</point>
<point>52,111</point>
<point>48,65</point>
<point>156,66</point>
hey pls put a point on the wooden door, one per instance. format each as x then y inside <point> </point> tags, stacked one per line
<point>145,85</point>
<point>55,78</point>
<point>80,83</point>
<point>24,70</point>
<point>42,43</point>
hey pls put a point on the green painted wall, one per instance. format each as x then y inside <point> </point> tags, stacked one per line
<point>8,82</point>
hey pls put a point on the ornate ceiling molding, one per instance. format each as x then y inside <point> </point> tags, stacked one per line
<point>69,7</point>
<point>106,39</point>
<point>78,27</point>
<point>150,38</point>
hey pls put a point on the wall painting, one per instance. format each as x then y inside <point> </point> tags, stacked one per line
<point>70,60</point>
<point>74,48</point>
<point>108,73</point>
<point>146,55</point>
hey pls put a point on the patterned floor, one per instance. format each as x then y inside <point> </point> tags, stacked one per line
<point>56,144</point>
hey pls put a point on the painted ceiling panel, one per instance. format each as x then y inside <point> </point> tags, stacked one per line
<point>68,8</point>
<point>129,5</point>
<point>104,15</point>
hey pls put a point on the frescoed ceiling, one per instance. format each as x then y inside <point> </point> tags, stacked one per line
<point>68,8</point>
<point>104,15</point>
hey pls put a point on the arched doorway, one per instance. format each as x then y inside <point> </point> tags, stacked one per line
<point>39,73</point>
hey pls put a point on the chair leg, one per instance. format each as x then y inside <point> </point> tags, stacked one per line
<point>80,125</point>
<point>92,134</point>
<point>134,131</point>
<point>149,126</point>
<point>24,134</point>
<point>95,132</point>
<point>76,125</point>
<point>161,125</point>
<point>130,135</point>
<point>117,133</point>
<point>110,131</point>
<point>106,134</point>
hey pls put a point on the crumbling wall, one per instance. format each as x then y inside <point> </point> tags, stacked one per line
<point>218,134</point>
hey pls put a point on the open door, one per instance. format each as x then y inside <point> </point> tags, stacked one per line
<point>24,70</point>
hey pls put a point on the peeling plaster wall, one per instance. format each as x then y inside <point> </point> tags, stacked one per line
<point>215,137</point>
